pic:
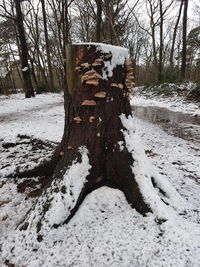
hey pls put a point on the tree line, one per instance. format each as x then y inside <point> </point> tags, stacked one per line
<point>163,44</point>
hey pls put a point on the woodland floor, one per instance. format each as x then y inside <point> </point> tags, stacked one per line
<point>106,231</point>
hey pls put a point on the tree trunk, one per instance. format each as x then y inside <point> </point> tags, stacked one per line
<point>160,64</point>
<point>153,36</point>
<point>171,59</point>
<point>96,106</point>
<point>24,52</point>
<point>184,48</point>
<point>51,80</point>
<point>93,151</point>
<point>98,20</point>
<point>154,53</point>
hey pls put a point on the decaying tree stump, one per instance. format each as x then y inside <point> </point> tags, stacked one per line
<point>99,88</point>
<point>99,80</point>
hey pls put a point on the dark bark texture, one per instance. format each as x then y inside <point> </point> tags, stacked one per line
<point>51,80</point>
<point>171,59</point>
<point>184,48</point>
<point>98,20</point>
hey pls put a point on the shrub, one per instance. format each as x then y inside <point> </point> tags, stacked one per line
<point>194,93</point>
<point>41,88</point>
<point>171,75</point>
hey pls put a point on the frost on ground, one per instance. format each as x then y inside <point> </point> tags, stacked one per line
<point>106,231</point>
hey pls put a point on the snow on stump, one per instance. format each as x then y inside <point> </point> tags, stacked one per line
<point>97,148</point>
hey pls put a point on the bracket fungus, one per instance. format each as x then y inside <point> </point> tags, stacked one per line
<point>129,69</point>
<point>130,89</point>
<point>129,76</point>
<point>118,85</point>
<point>126,94</point>
<point>90,72</point>
<point>100,95</point>
<point>78,68</point>
<point>91,119</point>
<point>88,103</point>
<point>98,76</point>
<point>91,77</point>
<point>93,82</point>
<point>85,65</point>
<point>114,85</point>
<point>129,84</point>
<point>77,119</point>
<point>128,62</point>
<point>93,73</point>
<point>97,62</point>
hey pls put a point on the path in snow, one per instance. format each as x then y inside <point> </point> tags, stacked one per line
<point>28,113</point>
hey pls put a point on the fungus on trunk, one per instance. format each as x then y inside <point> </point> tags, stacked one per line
<point>100,94</point>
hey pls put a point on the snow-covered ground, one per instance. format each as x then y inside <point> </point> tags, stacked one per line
<point>106,231</point>
<point>33,116</point>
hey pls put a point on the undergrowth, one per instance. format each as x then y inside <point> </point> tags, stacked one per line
<point>187,89</point>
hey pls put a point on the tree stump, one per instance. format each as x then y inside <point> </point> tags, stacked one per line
<point>100,79</point>
<point>93,151</point>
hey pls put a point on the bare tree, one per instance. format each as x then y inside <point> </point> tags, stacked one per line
<point>171,58</point>
<point>51,80</point>
<point>184,40</point>
<point>28,87</point>
<point>98,20</point>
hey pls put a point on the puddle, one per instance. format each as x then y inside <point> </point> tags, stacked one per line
<point>177,124</point>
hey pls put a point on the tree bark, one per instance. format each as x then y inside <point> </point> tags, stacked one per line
<point>160,64</point>
<point>51,80</point>
<point>29,92</point>
<point>98,20</point>
<point>171,59</point>
<point>153,36</point>
<point>109,164</point>
<point>184,47</point>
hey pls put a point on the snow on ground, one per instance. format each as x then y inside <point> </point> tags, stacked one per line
<point>18,103</point>
<point>106,231</point>
<point>34,116</point>
<point>40,117</point>
<point>175,103</point>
